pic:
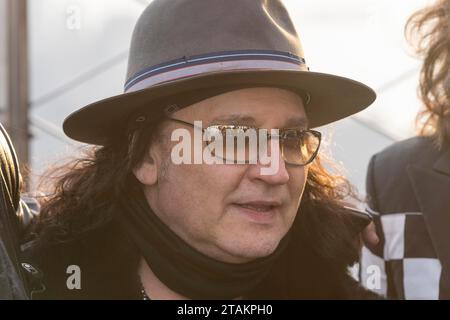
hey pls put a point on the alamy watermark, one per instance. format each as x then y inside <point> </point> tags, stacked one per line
<point>73,281</point>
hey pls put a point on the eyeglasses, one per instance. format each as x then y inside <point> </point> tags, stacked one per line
<point>242,144</point>
<point>298,147</point>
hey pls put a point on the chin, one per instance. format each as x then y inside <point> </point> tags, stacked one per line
<point>252,249</point>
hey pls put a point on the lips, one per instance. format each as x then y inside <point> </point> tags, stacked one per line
<point>259,211</point>
<point>258,208</point>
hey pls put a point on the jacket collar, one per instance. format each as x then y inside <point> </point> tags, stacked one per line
<point>432,190</point>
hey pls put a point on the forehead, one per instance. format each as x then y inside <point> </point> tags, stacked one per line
<point>253,106</point>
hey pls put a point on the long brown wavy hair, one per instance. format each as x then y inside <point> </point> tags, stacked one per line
<point>81,193</point>
<point>428,30</point>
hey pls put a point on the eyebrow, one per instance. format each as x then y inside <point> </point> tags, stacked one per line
<point>234,119</point>
<point>297,122</point>
<point>238,119</point>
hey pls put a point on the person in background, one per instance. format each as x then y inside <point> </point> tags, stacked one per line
<point>12,210</point>
<point>408,184</point>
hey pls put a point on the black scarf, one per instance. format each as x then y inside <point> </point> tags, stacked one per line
<point>179,266</point>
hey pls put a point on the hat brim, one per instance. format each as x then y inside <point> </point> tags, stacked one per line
<point>331,98</point>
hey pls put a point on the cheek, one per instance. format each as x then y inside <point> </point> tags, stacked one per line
<point>199,204</point>
<point>297,182</point>
<point>215,183</point>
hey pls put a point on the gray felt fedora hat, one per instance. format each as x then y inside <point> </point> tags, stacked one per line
<point>210,46</point>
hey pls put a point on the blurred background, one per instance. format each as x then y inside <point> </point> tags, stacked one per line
<point>59,55</point>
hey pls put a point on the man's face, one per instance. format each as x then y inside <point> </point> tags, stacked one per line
<point>230,212</point>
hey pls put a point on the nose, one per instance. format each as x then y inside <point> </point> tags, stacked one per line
<point>275,177</point>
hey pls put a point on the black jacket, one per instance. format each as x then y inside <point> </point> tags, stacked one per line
<point>313,266</point>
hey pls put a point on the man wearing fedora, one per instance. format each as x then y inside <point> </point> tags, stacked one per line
<point>125,222</point>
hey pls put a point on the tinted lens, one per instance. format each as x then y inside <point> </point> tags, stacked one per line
<point>300,147</point>
<point>235,144</point>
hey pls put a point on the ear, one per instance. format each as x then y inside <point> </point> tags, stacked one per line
<point>147,171</point>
